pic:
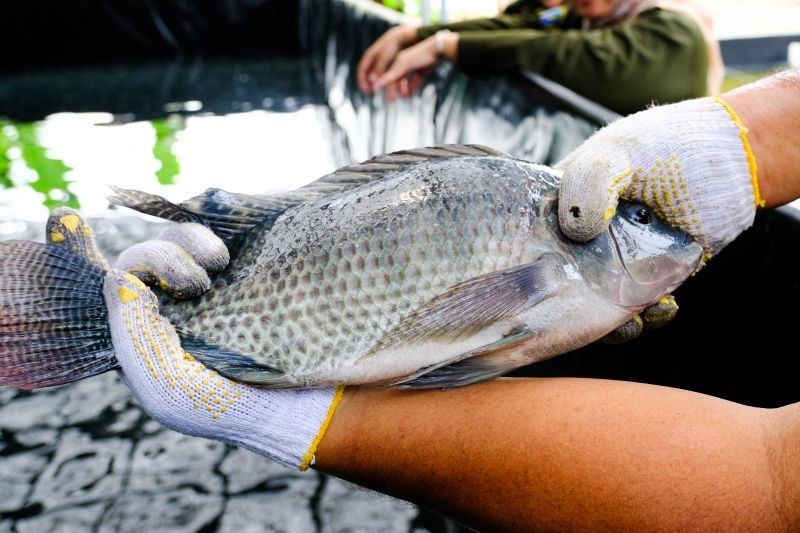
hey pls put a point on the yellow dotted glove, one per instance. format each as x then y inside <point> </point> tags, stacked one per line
<point>690,162</point>
<point>170,384</point>
<point>182,394</point>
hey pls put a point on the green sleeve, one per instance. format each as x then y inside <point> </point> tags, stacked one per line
<point>658,57</point>
<point>502,22</point>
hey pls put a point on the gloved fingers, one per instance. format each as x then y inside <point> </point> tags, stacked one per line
<point>208,250</point>
<point>66,228</point>
<point>661,313</point>
<point>656,316</point>
<point>183,394</point>
<point>178,261</point>
<point>172,386</point>
<point>626,332</point>
<point>595,176</point>
<point>166,265</point>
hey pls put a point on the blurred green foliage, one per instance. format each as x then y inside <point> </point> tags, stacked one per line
<point>736,78</point>
<point>414,8</point>
<point>50,172</point>
<point>6,142</point>
<point>397,5</point>
<point>50,180</point>
<point>166,131</point>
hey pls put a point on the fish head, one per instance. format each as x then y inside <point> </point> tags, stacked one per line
<point>654,257</point>
<point>639,259</point>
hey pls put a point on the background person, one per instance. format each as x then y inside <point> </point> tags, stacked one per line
<point>623,54</point>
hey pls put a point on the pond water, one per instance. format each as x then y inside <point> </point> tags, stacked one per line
<point>252,127</point>
<point>255,135</point>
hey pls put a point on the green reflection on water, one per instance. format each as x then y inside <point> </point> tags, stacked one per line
<point>166,132</point>
<point>6,142</point>
<point>50,171</point>
<point>51,180</point>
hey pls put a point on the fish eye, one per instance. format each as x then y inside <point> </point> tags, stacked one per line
<point>642,216</point>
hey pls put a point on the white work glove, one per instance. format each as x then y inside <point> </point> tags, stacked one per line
<point>175,389</point>
<point>690,162</point>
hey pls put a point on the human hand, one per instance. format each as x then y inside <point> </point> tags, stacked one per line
<point>381,54</point>
<point>177,390</point>
<point>183,395</point>
<point>408,69</point>
<point>690,162</point>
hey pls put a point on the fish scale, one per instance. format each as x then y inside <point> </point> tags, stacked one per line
<point>406,240</point>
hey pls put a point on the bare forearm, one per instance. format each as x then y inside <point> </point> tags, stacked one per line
<point>771,111</point>
<point>560,453</point>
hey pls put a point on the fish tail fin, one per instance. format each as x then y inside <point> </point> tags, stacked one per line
<point>54,325</point>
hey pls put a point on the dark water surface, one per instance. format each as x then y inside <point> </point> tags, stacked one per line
<point>84,456</point>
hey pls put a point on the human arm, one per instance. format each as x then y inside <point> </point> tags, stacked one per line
<point>770,111</point>
<point>659,56</point>
<point>384,51</point>
<point>557,454</point>
<point>704,165</point>
<point>500,22</point>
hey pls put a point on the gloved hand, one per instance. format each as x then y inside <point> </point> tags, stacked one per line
<point>175,389</point>
<point>690,162</point>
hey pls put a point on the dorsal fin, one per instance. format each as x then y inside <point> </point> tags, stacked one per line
<point>374,169</point>
<point>231,215</point>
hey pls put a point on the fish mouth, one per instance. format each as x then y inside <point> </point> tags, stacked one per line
<point>618,253</point>
<point>651,291</point>
<point>621,298</point>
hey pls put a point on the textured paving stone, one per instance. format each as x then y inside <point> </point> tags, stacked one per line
<point>345,507</point>
<point>83,470</point>
<point>34,410</point>
<point>286,510</point>
<point>175,511</point>
<point>245,470</point>
<point>31,438</point>
<point>169,460</point>
<point>6,395</point>
<point>16,475</point>
<point>85,401</point>
<point>70,520</point>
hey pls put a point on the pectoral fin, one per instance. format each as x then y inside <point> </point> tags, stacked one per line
<point>232,363</point>
<point>488,362</point>
<point>471,306</point>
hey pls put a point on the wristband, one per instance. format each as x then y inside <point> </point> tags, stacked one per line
<point>438,39</point>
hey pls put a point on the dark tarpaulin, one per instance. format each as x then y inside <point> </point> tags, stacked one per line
<point>41,33</point>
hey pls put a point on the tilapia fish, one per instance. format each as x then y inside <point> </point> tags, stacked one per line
<point>434,267</point>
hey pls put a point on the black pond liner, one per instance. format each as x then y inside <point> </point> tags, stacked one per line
<point>735,335</point>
